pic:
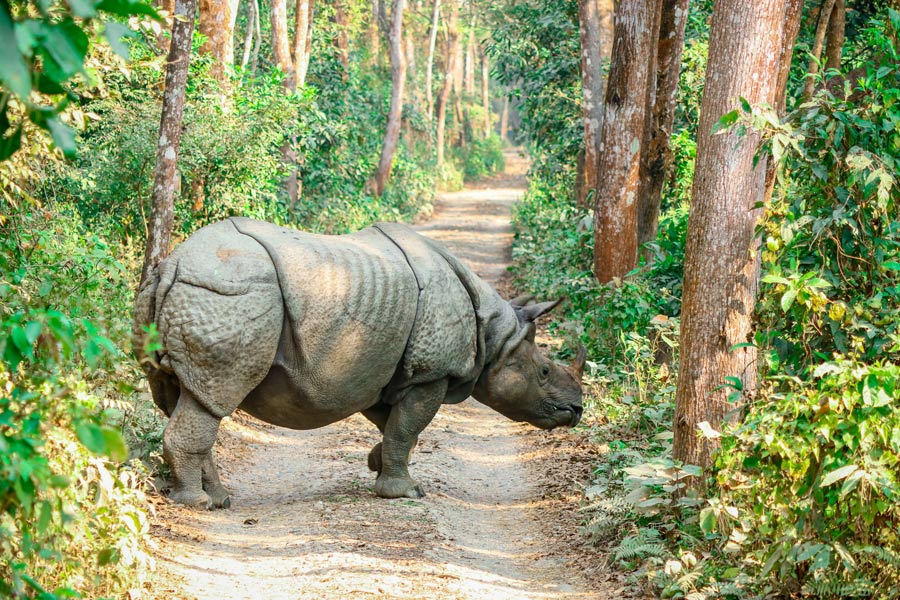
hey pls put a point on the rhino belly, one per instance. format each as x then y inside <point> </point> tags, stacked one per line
<point>279,400</point>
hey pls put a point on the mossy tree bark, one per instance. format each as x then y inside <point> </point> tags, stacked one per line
<point>624,112</point>
<point>721,255</point>
<point>162,211</point>
<point>398,79</point>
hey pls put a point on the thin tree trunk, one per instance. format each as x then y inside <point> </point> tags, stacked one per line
<point>469,69</point>
<point>486,96</point>
<point>429,66</point>
<point>342,40</point>
<point>398,77</point>
<point>217,19</point>
<point>162,212</point>
<point>281,45</point>
<point>792,13</point>
<point>595,19</point>
<point>816,52</point>
<point>252,16</point>
<point>656,155</point>
<point>834,44</point>
<point>302,39</point>
<point>411,73</point>
<point>721,269</point>
<point>630,74</point>
<point>258,41</point>
<point>447,85</point>
<point>504,119</point>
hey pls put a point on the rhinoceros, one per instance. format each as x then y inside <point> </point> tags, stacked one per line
<point>302,330</point>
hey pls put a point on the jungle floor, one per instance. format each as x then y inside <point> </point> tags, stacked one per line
<point>500,519</point>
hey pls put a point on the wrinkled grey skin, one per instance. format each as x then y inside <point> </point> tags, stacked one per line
<point>303,330</point>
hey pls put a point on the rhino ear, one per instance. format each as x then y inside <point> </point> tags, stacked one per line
<point>522,300</point>
<point>527,314</point>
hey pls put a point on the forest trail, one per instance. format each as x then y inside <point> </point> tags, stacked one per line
<point>305,524</point>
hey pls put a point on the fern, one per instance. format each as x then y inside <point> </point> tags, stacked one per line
<point>643,544</point>
<point>607,519</point>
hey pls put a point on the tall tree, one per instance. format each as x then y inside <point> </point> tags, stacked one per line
<point>342,38</point>
<point>595,25</point>
<point>655,153</point>
<point>429,65</point>
<point>217,20</point>
<point>816,50</point>
<point>303,24</point>
<point>447,84</point>
<point>398,79</point>
<point>281,43</point>
<point>486,96</point>
<point>504,118</point>
<point>721,260</point>
<point>252,31</point>
<point>834,43</point>
<point>162,211</point>
<point>625,108</point>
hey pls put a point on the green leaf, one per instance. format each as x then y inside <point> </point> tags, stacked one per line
<point>788,299</point>
<point>10,145</point>
<point>65,45</point>
<point>708,520</point>
<point>83,8</point>
<point>44,517</point>
<point>20,339</point>
<point>126,8</point>
<point>14,72</point>
<point>726,121</point>
<point>114,33</point>
<point>91,435</point>
<point>107,556</point>
<point>837,475</point>
<point>745,105</point>
<point>63,136</point>
<point>892,265</point>
<point>116,449</point>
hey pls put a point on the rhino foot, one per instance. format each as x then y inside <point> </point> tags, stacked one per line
<point>397,487</point>
<point>198,500</point>
<point>219,498</point>
<point>375,458</point>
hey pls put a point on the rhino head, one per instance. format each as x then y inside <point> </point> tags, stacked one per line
<point>524,385</point>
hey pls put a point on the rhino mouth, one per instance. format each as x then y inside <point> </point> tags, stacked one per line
<point>565,415</point>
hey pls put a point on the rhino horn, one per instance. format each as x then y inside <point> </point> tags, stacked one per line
<point>528,314</point>
<point>578,363</point>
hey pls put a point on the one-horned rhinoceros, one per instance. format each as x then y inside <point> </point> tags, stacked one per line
<point>302,330</point>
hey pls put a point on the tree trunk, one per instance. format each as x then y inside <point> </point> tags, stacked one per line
<point>252,17</point>
<point>411,74</point>
<point>281,45</point>
<point>469,69</point>
<point>447,85</point>
<point>721,267</point>
<point>625,108</point>
<point>504,119</point>
<point>162,212</point>
<point>792,13</point>
<point>254,61</point>
<point>217,18</point>
<point>342,39</point>
<point>302,39</point>
<point>429,67</point>
<point>816,52</point>
<point>834,44</point>
<point>595,19</point>
<point>398,77</point>
<point>486,96</point>
<point>656,155</point>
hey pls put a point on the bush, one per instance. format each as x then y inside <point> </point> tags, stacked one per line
<point>481,158</point>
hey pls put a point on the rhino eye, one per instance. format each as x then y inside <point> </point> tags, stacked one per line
<point>545,371</point>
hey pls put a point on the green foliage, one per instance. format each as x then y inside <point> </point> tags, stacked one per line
<point>72,516</point>
<point>44,49</point>
<point>481,158</point>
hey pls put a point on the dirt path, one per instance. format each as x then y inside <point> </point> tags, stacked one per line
<point>305,523</point>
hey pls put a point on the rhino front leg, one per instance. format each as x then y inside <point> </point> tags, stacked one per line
<point>187,448</point>
<point>378,415</point>
<point>218,495</point>
<point>407,419</point>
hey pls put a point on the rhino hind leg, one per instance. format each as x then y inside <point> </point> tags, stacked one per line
<point>187,447</point>
<point>408,417</point>
<point>378,415</point>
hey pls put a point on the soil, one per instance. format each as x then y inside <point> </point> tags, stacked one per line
<point>500,519</point>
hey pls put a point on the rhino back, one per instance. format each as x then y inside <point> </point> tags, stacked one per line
<point>350,304</point>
